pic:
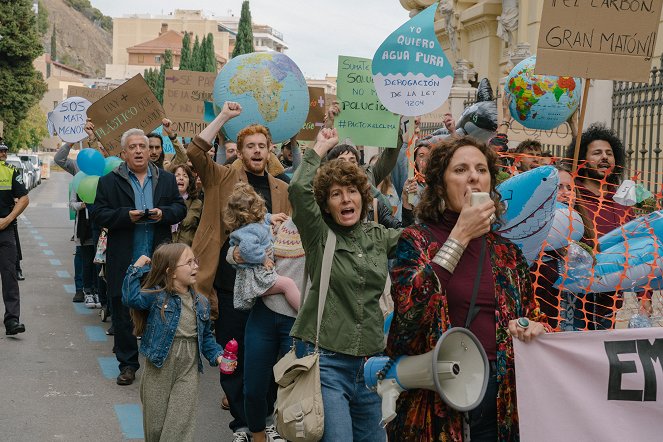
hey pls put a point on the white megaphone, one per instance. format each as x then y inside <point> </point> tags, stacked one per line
<point>457,369</point>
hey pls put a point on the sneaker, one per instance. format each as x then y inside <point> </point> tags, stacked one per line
<point>241,436</point>
<point>89,301</point>
<point>79,296</point>
<point>97,303</point>
<point>273,435</point>
<point>110,331</point>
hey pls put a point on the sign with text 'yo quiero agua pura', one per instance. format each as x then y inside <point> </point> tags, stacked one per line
<point>411,73</point>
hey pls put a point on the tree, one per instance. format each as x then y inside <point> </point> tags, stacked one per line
<point>244,39</point>
<point>167,63</point>
<point>209,56</point>
<point>42,18</point>
<point>21,85</point>
<point>29,132</point>
<point>195,55</point>
<point>151,77</point>
<point>185,58</point>
<point>54,46</point>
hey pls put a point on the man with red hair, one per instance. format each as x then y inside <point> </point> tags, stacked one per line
<point>216,277</point>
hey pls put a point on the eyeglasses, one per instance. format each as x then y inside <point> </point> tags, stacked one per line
<point>191,263</point>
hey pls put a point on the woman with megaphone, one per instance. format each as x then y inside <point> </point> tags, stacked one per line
<point>452,271</point>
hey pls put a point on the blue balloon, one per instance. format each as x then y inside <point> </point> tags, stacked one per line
<point>77,180</point>
<point>91,162</point>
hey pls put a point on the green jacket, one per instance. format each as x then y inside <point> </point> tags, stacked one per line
<point>352,322</point>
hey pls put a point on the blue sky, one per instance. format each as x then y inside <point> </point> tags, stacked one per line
<point>316,31</point>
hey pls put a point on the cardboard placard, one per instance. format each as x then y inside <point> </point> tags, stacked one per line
<point>90,94</point>
<point>184,96</point>
<point>363,118</point>
<point>316,114</point>
<point>599,39</point>
<point>132,105</point>
<point>68,119</point>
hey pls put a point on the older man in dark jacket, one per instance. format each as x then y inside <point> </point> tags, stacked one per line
<point>138,203</point>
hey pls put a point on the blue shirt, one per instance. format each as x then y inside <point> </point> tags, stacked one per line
<point>143,231</point>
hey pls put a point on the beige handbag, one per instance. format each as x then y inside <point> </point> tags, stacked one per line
<point>300,413</point>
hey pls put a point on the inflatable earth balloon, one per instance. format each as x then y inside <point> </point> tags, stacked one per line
<point>480,119</point>
<point>541,101</point>
<point>271,90</point>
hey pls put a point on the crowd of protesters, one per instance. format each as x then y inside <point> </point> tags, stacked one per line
<point>225,240</point>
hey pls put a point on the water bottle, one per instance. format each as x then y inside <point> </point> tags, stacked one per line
<point>229,358</point>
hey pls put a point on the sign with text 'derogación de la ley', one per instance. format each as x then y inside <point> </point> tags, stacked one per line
<point>598,39</point>
<point>364,120</point>
<point>411,72</point>
<point>132,105</point>
<point>184,96</point>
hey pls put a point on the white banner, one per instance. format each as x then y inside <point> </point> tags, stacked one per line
<point>591,386</point>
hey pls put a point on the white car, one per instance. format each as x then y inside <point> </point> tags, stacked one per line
<point>36,165</point>
<point>24,176</point>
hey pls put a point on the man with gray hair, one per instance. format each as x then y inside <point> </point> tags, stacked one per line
<point>138,203</point>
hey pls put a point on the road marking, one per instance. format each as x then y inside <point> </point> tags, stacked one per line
<point>82,310</point>
<point>34,232</point>
<point>48,252</point>
<point>38,237</point>
<point>43,244</point>
<point>63,274</point>
<point>55,262</point>
<point>130,417</point>
<point>108,366</point>
<point>96,334</point>
<point>50,205</point>
<point>70,288</point>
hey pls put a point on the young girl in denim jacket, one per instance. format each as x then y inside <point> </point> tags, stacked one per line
<point>174,322</point>
<point>251,250</point>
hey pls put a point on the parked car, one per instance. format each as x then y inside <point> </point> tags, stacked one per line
<point>16,162</point>
<point>32,178</point>
<point>36,165</point>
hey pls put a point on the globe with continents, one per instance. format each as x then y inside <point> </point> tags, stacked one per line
<point>541,101</point>
<point>271,90</point>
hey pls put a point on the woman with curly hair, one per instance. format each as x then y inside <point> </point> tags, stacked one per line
<point>441,264</point>
<point>251,249</point>
<point>337,199</point>
<point>185,230</point>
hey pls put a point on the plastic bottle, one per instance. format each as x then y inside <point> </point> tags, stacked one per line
<point>229,359</point>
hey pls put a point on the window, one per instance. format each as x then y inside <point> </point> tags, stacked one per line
<point>141,59</point>
<point>157,59</point>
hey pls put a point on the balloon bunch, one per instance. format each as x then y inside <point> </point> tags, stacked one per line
<point>92,166</point>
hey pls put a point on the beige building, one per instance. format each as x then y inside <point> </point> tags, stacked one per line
<point>328,84</point>
<point>489,37</point>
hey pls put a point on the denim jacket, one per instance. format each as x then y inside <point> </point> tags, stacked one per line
<point>159,334</point>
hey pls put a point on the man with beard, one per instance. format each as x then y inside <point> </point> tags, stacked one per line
<point>156,149</point>
<point>600,168</point>
<point>216,278</point>
<point>528,155</point>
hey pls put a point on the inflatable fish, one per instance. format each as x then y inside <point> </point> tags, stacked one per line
<point>531,201</point>
<point>630,257</point>
<point>564,228</point>
<point>480,119</point>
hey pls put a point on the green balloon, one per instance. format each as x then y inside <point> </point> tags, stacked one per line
<point>87,189</point>
<point>111,164</point>
<point>77,180</point>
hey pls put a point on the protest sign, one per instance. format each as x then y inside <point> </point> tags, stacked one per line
<point>68,119</point>
<point>363,118</point>
<point>412,75</point>
<point>90,94</point>
<point>184,96</point>
<point>132,105</point>
<point>598,385</point>
<point>609,40</point>
<point>316,114</point>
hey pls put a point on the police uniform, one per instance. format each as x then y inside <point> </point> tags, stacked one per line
<point>11,187</point>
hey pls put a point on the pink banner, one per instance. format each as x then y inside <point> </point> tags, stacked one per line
<point>591,386</point>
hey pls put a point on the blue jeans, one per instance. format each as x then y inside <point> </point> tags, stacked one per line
<point>352,411</point>
<point>266,339</point>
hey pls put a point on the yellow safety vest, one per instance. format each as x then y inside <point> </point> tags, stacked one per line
<point>6,176</point>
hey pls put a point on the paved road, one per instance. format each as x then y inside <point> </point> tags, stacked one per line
<point>57,380</point>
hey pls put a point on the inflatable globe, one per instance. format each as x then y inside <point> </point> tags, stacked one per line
<point>541,101</point>
<point>271,89</point>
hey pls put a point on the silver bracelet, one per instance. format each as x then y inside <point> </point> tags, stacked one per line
<point>449,255</point>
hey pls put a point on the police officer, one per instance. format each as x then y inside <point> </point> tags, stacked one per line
<point>11,190</point>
